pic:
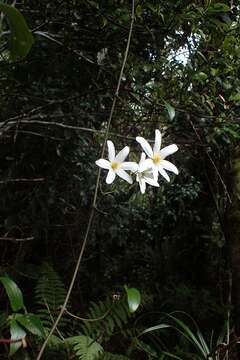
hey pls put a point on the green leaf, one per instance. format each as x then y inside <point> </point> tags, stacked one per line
<point>189,335</point>
<point>13,292</point>
<point>170,110</point>
<point>147,349</point>
<point>32,323</point>
<point>235,97</point>
<point>134,298</point>
<point>21,39</point>
<point>171,355</point>
<point>218,8</point>
<point>94,4</point>
<point>154,328</point>
<point>16,332</point>
<point>85,347</point>
<point>138,10</point>
<point>200,76</point>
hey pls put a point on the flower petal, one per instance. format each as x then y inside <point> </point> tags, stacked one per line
<point>110,176</point>
<point>105,164</point>
<point>168,150</point>
<point>111,150</point>
<point>121,156</point>
<point>143,157</point>
<point>142,185</point>
<point>122,174</point>
<point>169,166</point>
<point>151,182</point>
<point>155,173</point>
<point>145,145</point>
<point>158,140</point>
<point>130,165</point>
<point>163,173</point>
<point>148,174</point>
<point>146,164</point>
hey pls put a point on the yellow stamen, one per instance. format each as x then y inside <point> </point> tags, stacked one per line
<point>156,158</point>
<point>115,165</point>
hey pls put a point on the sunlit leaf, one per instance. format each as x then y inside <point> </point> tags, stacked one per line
<point>13,292</point>
<point>134,298</point>
<point>31,322</point>
<point>17,332</point>
<point>200,76</point>
<point>170,110</point>
<point>155,328</point>
<point>218,8</point>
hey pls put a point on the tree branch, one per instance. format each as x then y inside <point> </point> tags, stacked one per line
<point>30,238</point>
<point>21,180</point>
<point>94,204</point>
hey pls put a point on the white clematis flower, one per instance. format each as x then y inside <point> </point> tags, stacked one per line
<point>145,175</point>
<point>116,165</point>
<point>157,157</point>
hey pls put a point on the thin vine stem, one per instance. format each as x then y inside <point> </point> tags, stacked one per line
<point>94,203</point>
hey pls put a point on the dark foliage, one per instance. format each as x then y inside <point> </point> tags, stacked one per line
<point>174,242</point>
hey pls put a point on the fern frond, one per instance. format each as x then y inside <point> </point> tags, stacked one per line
<point>49,296</point>
<point>50,288</point>
<point>56,349</point>
<point>85,348</point>
<point>109,316</point>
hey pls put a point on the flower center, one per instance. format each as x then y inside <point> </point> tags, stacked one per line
<point>156,158</point>
<point>115,165</point>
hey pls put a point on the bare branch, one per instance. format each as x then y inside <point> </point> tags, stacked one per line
<point>21,180</point>
<point>13,239</point>
<point>94,204</point>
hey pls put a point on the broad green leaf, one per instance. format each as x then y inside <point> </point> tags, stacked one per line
<point>235,97</point>
<point>170,110</point>
<point>200,76</point>
<point>31,322</point>
<point>218,8</point>
<point>134,298</point>
<point>13,292</point>
<point>21,39</point>
<point>16,332</point>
